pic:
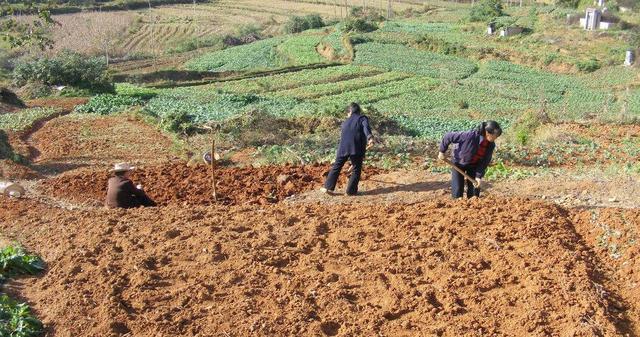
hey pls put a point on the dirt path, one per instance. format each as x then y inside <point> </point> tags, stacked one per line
<point>411,186</point>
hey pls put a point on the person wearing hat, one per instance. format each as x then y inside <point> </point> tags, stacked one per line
<point>120,190</point>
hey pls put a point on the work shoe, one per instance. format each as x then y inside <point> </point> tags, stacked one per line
<point>325,190</point>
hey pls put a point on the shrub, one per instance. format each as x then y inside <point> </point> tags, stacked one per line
<point>35,89</point>
<point>297,24</point>
<point>359,25</point>
<point>588,66</point>
<point>486,10</point>
<point>67,68</point>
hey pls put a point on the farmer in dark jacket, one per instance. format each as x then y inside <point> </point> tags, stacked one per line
<point>355,136</point>
<point>472,153</point>
<point>120,190</point>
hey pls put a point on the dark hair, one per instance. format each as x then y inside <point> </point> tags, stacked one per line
<point>354,108</point>
<point>491,127</point>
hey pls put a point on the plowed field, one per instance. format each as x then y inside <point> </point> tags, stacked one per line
<point>503,267</point>
<point>178,183</point>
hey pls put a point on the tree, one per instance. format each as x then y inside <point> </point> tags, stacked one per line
<point>486,10</point>
<point>21,33</point>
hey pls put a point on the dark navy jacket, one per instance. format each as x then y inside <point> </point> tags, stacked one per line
<point>354,136</point>
<point>467,146</point>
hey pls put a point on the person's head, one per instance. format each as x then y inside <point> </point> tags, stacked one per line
<point>490,130</point>
<point>353,108</point>
<point>122,170</point>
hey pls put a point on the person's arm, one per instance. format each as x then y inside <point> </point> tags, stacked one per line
<point>142,197</point>
<point>450,137</point>
<point>484,162</point>
<point>367,128</point>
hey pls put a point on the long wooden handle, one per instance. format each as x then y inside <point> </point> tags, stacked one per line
<point>213,168</point>
<point>473,181</point>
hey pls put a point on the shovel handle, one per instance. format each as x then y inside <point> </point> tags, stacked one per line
<point>473,181</point>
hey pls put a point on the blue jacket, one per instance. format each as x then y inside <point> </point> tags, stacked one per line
<point>467,146</point>
<point>354,136</point>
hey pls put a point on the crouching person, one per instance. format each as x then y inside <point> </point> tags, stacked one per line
<point>120,190</point>
<point>354,138</point>
<point>472,154</point>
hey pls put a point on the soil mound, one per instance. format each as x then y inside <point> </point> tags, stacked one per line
<point>486,267</point>
<point>14,171</point>
<point>191,185</point>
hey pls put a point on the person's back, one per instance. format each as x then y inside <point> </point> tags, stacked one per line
<point>354,137</point>
<point>122,194</point>
<point>353,140</point>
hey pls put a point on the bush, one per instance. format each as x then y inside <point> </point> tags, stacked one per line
<point>297,24</point>
<point>35,89</point>
<point>486,10</point>
<point>359,25</point>
<point>67,68</point>
<point>588,66</point>
<point>177,122</point>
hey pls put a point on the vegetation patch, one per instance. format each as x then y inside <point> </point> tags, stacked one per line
<point>405,59</point>
<point>24,119</point>
<point>16,319</point>
<point>106,104</point>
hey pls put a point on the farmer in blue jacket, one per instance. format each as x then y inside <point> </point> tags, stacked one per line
<point>355,136</point>
<point>472,153</point>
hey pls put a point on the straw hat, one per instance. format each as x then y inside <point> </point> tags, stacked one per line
<point>121,167</point>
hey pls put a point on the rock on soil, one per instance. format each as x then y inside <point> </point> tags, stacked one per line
<point>485,267</point>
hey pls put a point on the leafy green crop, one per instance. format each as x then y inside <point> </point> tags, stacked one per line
<point>296,79</point>
<point>16,319</point>
<point>24,119</point>
<point>126,89</point>
<point>15,261</point>
<point>405,59</point>
<point>301,50</point>
<point>258,55</point>
<point>106,104</point>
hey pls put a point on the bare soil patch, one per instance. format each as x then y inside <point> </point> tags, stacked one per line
<point>88,140</point>
<point>177,183</point>
<point>494,266</point>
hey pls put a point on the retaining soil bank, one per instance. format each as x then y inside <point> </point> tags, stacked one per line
<point>177,183</point>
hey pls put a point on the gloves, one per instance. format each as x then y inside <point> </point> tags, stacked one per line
<point>441,156</point>
<point>478,182</point>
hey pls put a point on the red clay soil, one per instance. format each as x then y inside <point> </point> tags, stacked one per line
<point>615,234</point>
<point>438,268</point>
<point>13,171</point>
<point>177,183</point>
<point>93,140</point>
<point>62,104</point>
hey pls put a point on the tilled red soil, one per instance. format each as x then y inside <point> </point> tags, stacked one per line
<point>615,234</point>
<point>485,267</point>
<point>177,183</point>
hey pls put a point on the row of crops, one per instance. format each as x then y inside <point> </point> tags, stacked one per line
<point>266,54</point>
<point>24,119</point>
<point>426,92</point>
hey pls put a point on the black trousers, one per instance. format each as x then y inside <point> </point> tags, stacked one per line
<point>458,182</point>
<point>332,178</point>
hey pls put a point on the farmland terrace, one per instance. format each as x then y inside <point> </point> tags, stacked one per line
<point>251,246</point>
